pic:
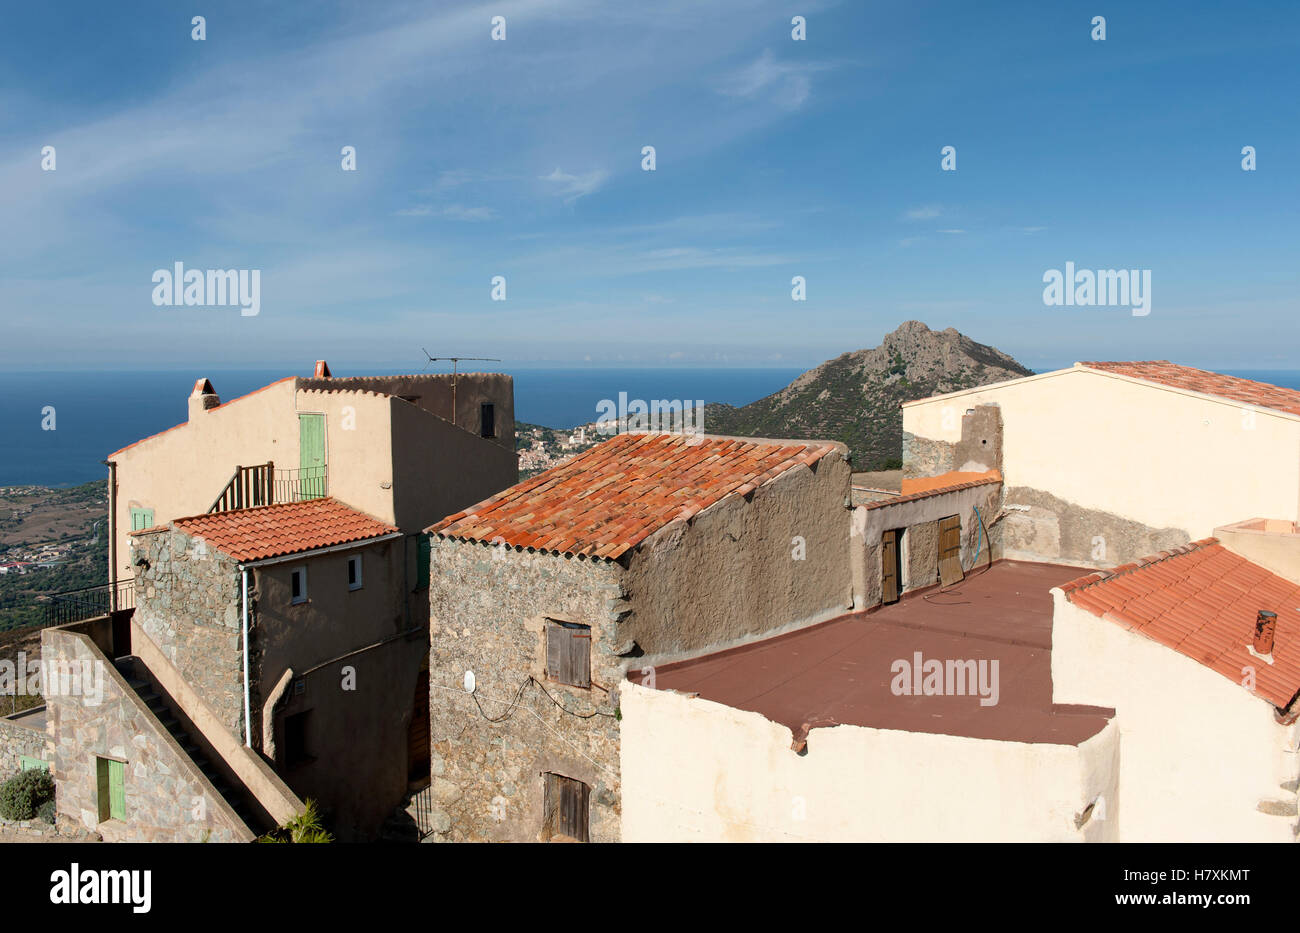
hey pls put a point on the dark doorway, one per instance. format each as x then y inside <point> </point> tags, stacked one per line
<point>417,736</point>
<point>891,565</point>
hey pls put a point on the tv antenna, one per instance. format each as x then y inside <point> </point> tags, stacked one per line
<point>455,372</point>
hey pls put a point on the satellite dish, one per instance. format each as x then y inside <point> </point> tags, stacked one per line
<point>469,681</point>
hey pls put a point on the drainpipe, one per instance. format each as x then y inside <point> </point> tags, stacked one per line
<point>112,533</point>
<point>248,721</point>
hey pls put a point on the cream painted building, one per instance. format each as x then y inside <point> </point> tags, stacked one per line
<point>1198,651</point>
<point>1106,462</point>
<point>405,449</point>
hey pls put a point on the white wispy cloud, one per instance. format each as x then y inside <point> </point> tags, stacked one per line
<point>925,212</point>
<point>786,84</point>
<point>570,187</point>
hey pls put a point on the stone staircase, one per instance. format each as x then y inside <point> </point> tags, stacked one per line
<point>235,796</point>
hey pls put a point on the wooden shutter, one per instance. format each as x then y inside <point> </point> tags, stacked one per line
<point>117,789</point>
<point>567,805</point>
<point>141,519</point>
<point>101,788</point>
<point>950,570</point>
<point>311,456</point>
<point>27,763</point>
<point>889,567</point>
<point>568,653</point>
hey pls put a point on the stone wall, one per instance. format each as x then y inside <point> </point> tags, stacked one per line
<point>188,603</point>
<point>167,797</point>
<point>745,567</point>
<point>18,739</point>
<point>488,608</point>
<point>1041,526</point>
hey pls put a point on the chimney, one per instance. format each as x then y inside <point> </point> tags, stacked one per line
<point>1265,625</point>
<point>202,398</point>
<point>322,370</point>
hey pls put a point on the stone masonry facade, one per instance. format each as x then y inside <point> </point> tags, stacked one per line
<point>489,607</point>
<point>188,602</point>
<point>167,797</point>
<point>17,740</point>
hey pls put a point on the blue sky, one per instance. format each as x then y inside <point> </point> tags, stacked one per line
<point>522,158</point>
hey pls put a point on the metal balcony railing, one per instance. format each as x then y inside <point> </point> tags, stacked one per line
<point>89,602</point>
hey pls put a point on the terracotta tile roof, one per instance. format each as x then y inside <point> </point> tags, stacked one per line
<point>1202,600</point>
<point>944,480</point>
<point>276,530</point>
<point>993,477</point>
<point>1208,383</point>
<point>608,499</point>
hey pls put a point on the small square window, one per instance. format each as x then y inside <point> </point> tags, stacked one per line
<point>298,585</point>
<point>568,653</point>
<point>354,572</point>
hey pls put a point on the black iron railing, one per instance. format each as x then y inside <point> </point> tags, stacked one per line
<point>89,602</point>
<point>263,484</point>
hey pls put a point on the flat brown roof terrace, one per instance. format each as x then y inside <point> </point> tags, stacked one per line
<point>858,669</point>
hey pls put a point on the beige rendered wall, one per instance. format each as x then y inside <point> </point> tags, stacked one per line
<point>698,771</point>
<point>1276,551</point>
<point>357,730</point>
<point>358,447</point>
<point>439,469</point>
<point>182,471</point>
<point>1162,457</point>
<point>1199,754</point>
<point>731,572</point>
<point>919,518</point>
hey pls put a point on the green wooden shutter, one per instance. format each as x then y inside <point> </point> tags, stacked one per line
<point>117,790</point>
<point>28,763</point>
<point>311,456</point>
<point>101,787</point>
<point>141,519</point>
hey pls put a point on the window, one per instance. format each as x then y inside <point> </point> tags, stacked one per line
<point>567,806</point>
<point>141,519</point>
<point>354,572</point>
<point>111,779</point>
<point>568,653</point>
<point>487,416</point>
<point>295,739</point>
<point>27,763</point>
<point>298,585</point>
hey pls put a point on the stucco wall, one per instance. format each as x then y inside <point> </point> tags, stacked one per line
<point>167,797</point>
<point>1277,551</point>
<point>439,470</point>
<point>360,702</point>
<point>358,448</point>
<point>487,611</point>
<point>1200,754</point>
<point>698,771</point>
<point>182,471</point>
<point>920,541</point>
<point>736,570</point>
<point>1162,457</point>
<point>432,392</point>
